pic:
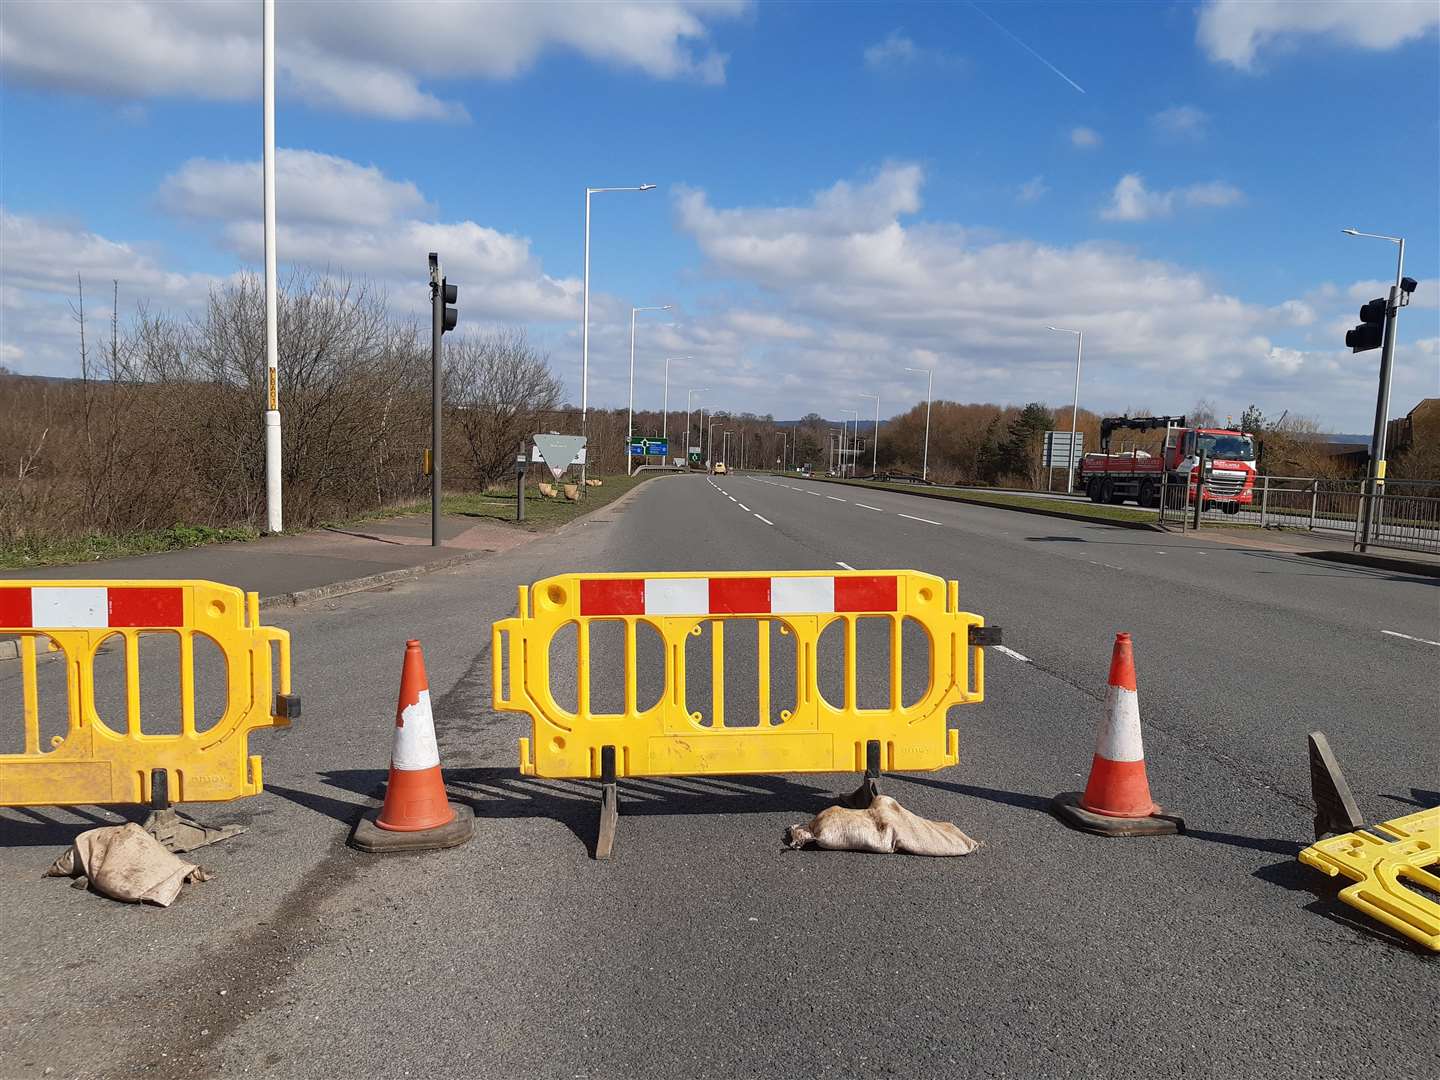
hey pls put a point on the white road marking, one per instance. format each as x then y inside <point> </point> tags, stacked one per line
<point>844,565</point>
<point>766,520</point>
<point>1407,637</point>
<point>834,498</point>
<point>1012,654</point>
<point>742,506</point>
<point>730,497</point>
<point>864,507</point>
<point>815,493</point>
<point>927,521</point>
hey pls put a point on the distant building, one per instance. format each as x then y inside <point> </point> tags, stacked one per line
<point>1419,427</point>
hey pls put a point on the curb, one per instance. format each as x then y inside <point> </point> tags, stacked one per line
<point>1143,526</point>
<point>1364,558</point>
<point>369,581</point>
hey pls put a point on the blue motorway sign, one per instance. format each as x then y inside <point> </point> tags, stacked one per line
<point>649,447</point>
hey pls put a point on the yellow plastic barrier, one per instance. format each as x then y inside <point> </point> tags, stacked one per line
<point>668,740</point>
<point>1379,866</point>
<point>95,763</point>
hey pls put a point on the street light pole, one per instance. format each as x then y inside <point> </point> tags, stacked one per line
<point>688,395</point>
<point>1074,408</point>
<point>854,443</point>
<point>273,517</point>
<point>929,381</point>
<point>585,321</point>
<point>630,421</point>
<point>1382,398</point>
<point>665,416</point>
<point>874,437</point>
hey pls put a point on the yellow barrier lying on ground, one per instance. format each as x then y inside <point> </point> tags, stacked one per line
<point>668,739</point>
<point>1380,862</point>
<point>95,762</point>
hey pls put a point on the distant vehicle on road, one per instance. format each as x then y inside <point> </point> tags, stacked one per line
<point>719,468</point>
<point>901,478</point>
<point>1137,476</point>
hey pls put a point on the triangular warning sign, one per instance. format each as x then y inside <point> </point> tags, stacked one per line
<point>559,452</point>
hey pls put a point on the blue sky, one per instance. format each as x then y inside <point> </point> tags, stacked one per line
<point>844,190</point>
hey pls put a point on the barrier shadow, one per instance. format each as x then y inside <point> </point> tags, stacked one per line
<point>35,826</point>
<point>1313,567</point>
<point>1295,876</point>
<point>996,795</point>
<point>503,794</point>
<point>1418,797</point>
<point>344,812</point>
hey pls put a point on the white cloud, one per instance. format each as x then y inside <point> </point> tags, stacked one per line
<point>369,60</point>
<point>881,292</point>
<point>896,50</point>
<point>1234,31</point>
<point>309,187</point>
<point>1032,190</point>
<point>1182,122</point>
<point>1131,200</point>
<point>1085,138</point>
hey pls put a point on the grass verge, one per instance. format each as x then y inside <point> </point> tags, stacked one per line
<point>30,554</point>
<point>540,513</point>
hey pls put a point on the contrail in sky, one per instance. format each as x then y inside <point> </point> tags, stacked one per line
<point>1031,51</point>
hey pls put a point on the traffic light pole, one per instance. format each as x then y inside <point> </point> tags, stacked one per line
<point>1382,414</point>
<point>437,328</point>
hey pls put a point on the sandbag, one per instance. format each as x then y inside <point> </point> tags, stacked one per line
<point>884,827</point>
<point>126,863</point>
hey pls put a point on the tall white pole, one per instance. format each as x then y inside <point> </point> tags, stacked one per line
<point>665,418</point>
<point>585,346</point>
<point>874,435</point>
<point>929,384</point>
<point>273,517</point>
<point>1074,415</point>
<point>630,410</point>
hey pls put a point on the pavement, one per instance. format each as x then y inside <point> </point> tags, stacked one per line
<point>705,948</point>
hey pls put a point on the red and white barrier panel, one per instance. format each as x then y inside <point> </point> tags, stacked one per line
<point>739,596</point>
<point>80,607</point>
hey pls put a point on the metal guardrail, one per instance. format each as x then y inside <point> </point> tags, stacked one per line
<point>1405,516</point>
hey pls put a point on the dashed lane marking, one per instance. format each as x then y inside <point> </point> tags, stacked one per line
<point>927,521</point>
<point>834,498</point>
<point>743,507</point>
<point>766,520</point>
<point>875,508</point>
<point>844,566</point>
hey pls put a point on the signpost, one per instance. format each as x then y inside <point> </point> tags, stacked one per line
<point>559,452</point>
<point>649,447</point>
<point>1060,453</point>
<point>694,457</point>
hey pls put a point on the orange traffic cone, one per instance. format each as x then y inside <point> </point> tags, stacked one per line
<point>416,814</point>
<point>1116,800</point>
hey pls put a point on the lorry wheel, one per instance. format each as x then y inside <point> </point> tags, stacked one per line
<point>1093,489</point>
<point>1147,493</point>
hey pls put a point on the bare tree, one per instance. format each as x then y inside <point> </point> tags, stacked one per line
<point>498,387</point>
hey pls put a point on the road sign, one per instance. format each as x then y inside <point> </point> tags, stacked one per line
<point>559,452</point>
<point>1058,446</point>
<point>649,447</point>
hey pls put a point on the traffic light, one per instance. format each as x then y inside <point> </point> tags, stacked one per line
<point>448,294</point>
<point>1371,331</point>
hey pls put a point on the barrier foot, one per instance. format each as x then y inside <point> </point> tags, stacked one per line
<point>869,789</point>
<point>179,832</point>
<point>1335,809</point>
<point>609,804</point>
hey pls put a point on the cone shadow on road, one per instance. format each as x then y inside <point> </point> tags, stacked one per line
<point>343,812</point>
<point>501,793</point>
<point>997,795</point>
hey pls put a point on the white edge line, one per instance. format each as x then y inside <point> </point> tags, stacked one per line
<point>912,517</point>
<point>766,520</point>
<point>1012,654</point>
<point>1407,637</point>
<point>864,507</point>
<point>844,566</point>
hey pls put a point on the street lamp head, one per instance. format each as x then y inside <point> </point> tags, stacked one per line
<point>1351,232</point>
<point>647,187</point>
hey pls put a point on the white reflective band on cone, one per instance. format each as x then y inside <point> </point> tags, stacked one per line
<point>415,747</point>
<point>1120,737</point>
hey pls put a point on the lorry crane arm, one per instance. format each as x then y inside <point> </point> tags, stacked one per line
<point>1135,423</point>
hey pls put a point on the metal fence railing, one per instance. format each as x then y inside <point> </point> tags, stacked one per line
<point>1406,514</point>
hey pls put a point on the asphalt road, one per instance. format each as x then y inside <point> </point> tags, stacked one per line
<point>704,948</point>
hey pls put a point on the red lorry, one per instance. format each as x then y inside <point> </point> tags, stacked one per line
<point>1137,475</point>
